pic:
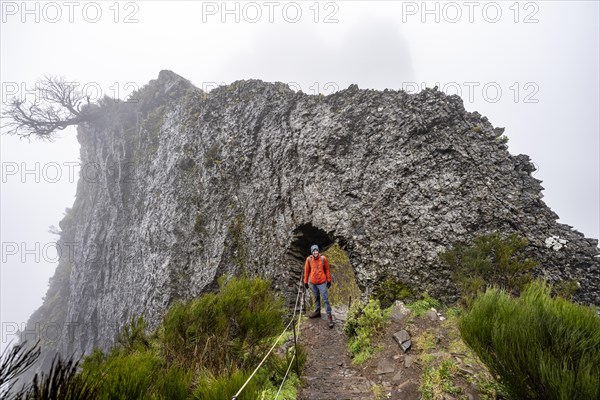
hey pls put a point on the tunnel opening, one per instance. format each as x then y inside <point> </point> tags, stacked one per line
<point>344,287</point>
<point>305,236</point>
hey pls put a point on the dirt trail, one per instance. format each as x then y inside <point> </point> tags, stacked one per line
<point>328,371</point>
<point>391,373</point>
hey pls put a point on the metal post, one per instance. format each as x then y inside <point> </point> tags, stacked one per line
<point>296,350</point>
<point>349,302</point>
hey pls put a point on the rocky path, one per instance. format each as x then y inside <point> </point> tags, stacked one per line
<point>410,344</point>
<point>328,371</point>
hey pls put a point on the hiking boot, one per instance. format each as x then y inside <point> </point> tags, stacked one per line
<point>330,320</point>
<point>315,314</point>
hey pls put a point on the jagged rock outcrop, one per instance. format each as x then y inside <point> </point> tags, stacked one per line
<point>183,186</point>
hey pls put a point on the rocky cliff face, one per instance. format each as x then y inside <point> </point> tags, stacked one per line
<point>183,186</point>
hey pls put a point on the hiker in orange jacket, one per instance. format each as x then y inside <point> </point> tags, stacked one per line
<point>316,270</point>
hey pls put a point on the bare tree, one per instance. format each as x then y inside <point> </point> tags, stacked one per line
<point>56,105</point>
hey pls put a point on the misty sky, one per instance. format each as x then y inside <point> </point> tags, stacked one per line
<point>531,67</point>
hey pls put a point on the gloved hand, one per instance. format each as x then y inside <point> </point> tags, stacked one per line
<point>328,285</point>
<point>306,286</point>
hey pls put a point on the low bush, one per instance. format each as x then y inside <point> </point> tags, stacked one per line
<point>123,375</point>
<point>492,259</point>
<point>173,384</point>
<point>203,349</point>
<point>539,347</point>
<point>225,386</point>
<point>421,306</point>
<point>365,322</point>
<point>133,336</point>
<point>224,331</point>
<point>389,290</point>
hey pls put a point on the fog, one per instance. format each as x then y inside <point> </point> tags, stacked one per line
<point>531,67</point>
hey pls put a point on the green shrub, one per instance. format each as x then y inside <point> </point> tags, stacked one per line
<point>277,366</point>
<point>540,347</point>
<point>222,387</point>
<point>123,375</point>
<point>502,139</point>
<point>288,391</point>
<point>133,335</point>
<point>203,349</point>
<point>491,260</point>
<point>173,384</point>
<point>273,373</point>
<point>365,322</point>
<point>227,330</point>
<point>423,305</point>
<point>566,288</point>
<point>389,290</point>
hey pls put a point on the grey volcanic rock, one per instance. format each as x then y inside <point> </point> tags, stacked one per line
<point>182,186</point>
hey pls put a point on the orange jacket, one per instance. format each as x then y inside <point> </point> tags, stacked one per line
<point>317,270</point>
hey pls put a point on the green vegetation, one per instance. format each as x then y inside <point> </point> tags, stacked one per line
<point>226,330</point>
<point>123,374</point>
<point>533,346</point>
<point>488,387</point>
<point>491,260</point>
<point>540,347</point>
<point>225,386</point>
<point>364,324</point>
<point>566,289</point>
<point>437,381</point>
<point>448,365</point>
<point>203,349</point>
<point>423,305</point>
<point>426,340</point>
<point>389,290</point>
<point>133,336</point>
<point>378,392</point>
<point>344,285</point>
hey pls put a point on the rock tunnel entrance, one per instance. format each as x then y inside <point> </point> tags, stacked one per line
<point>344,280</point>
<point>305,236</point>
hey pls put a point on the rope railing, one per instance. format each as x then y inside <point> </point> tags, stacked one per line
<point>300,290</point>
<point>295,355</point>
<point>285,376</point>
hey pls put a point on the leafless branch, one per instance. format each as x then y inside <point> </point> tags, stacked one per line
<point>56,105</point>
